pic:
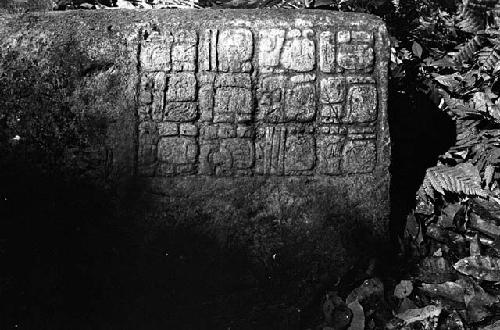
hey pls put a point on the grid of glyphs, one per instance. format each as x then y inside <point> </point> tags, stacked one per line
<point>239,101</point>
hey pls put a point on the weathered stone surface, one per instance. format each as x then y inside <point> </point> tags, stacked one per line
<point>278,118</point>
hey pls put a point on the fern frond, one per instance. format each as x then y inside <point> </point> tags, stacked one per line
<point>466,51</point>
<point>461,179</point>
<point>473,20</point>
<point>489,58</point>
<point>474,14</point>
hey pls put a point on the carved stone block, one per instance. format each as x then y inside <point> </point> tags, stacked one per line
<point>179,98</point>
<point>184,50</point>
<point>299,51</point>
<point>151,94</point>
<point>206,94</point>
<point>355,50</point>
<point>270,150</point>
<point>332,96</point>
<point>285,151</point>
<point>361,104</point>
<point>181,111</point>
<point>148,140</point>
<point>270,45</point>
<point>226,131</point>
<point>225,97</point>
<point>181,87</point>
<point>233,100</point>
<point>235,50</point>
<point>286,99</point>
<point>359,156</point>
<point>329,153</point>
<point>177,155</point>
<point>292,50</point>
<point>188,129</point>
<point>300,154</point>
<point>355,57</point>
<point>207,50</point>
<point>327,51</point>
<point>331,113</point>
<point>168,129</point>
<point>155,50</point>
<point>332,90</point>
<point>224,157</point>
<point>300,100</point>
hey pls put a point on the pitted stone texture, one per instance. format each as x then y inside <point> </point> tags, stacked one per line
<point>274,120</point>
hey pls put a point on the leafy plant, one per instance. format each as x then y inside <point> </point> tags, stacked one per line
<point>461,179</point>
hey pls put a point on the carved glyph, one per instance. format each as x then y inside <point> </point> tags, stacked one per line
<point>235,49</point>
<point>155,51</point>
<point>355,50</point>
<point>285,99</point>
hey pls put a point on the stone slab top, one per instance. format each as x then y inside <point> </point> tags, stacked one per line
<point>201,16</point>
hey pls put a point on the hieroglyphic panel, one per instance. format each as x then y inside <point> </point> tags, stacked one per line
<point>280,100</point>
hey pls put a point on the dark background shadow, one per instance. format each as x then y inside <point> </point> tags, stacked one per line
<point>420,132</point>
<point>68,260</point>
